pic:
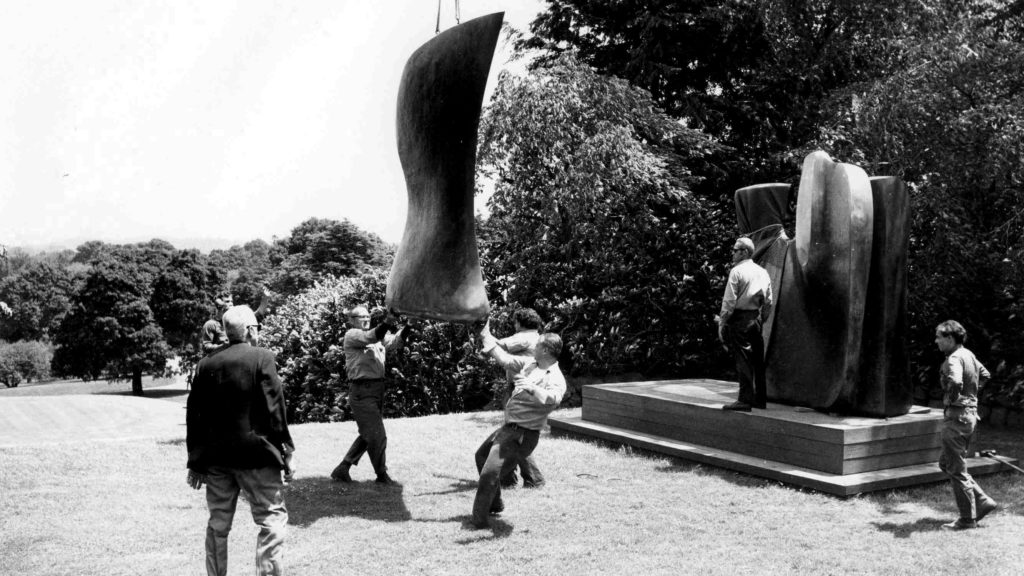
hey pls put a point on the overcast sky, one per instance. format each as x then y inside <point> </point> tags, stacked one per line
<point>124,120</point>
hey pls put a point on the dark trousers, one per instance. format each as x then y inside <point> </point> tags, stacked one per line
<point>497,456</point>
<point>366,399</point>
<point>958,428</point>
<point>743,337</point>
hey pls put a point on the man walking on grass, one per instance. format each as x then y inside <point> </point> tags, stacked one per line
<point>238,441</point>
<point>538,389</point>
<point>961,376</point>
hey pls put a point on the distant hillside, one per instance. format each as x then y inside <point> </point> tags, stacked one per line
<point>205,245</point>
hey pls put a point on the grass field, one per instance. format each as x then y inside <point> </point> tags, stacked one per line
<point>87,507</point>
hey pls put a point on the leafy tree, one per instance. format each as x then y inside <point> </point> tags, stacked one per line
<point>39,297</point>
<point>24,361</point>
<point>182,301</point>
<point>951,125</point>
<point>592,219</point>
<point>318,248</point>
<point>753,73</point>
<point>110,330</point>
<point>436,372</point>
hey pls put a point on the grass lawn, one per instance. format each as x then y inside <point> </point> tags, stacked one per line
<point>122,507</point>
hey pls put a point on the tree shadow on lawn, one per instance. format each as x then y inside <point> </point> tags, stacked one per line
<point>310,499</point>
<point>158,393</point>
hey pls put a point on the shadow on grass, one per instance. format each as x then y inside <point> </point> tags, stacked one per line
<point>459,485</point>
<point>159,393</point>
<point>498,528</point>
<point>310,499</point>
<point>907,529</point>
<point>492,419</point>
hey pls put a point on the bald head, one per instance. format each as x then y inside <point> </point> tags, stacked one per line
<point>237,321</point>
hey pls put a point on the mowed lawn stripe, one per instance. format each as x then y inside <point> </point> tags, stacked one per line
<point>44,420</point>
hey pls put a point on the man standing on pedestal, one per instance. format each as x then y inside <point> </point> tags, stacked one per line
<point>748,296</point>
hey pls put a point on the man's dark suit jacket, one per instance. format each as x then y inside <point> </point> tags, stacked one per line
<point>236,412</point>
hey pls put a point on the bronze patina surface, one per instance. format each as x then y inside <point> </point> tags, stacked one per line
<point>436,273</point>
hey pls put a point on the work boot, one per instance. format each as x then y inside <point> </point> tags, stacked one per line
<point>509,480</point>
<point>983,504</point>
<point>964,501</point>
<point>383,478</point>
<point>961,524</point>
<point>340,472</point>
<point>737,407</point>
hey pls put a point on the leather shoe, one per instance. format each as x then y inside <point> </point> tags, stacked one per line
<point>340,472</point>
<point>737,407</point>
<point>961,524</point>
<point>497,507</point>
<point>383,478</point>
<point>985,507</point>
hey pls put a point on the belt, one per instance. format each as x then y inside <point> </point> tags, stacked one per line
<point>366,380</point>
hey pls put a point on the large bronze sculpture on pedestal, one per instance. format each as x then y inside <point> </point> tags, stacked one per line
<point>436,273</point>
<point>835,340</point>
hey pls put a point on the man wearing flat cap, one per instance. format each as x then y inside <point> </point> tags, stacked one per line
<point>747,299</point>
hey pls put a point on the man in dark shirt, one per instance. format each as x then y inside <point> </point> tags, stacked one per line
<point>238,440</point>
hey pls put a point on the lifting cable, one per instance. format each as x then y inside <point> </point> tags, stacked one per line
<point>458,16</point>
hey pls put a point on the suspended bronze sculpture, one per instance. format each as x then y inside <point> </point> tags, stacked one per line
<point>436,273</point>
<point>835,340</point>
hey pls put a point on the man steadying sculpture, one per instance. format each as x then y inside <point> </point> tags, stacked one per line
<point>365,349</point>
<point>961,376</point>
<point>748,295</point>
<point>539,388</point>
<point>523,343</point>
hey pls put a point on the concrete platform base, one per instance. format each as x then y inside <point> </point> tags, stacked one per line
<point>832,454</point>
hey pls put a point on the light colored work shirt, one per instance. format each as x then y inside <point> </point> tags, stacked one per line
<point>519,344</point>
<point>961,376</point>
<point>364,354</point>
<point>537,391</point>
<point>748,288</point>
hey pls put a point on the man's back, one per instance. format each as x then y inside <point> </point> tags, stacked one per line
<point>236,412</point>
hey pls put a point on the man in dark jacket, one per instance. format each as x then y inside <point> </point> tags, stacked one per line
<point>238,440</point>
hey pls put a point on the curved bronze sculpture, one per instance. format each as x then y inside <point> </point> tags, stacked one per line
<point>835,338</point>
<point>436,273</point>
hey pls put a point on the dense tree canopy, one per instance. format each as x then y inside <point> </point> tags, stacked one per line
<point>591,216</point>
<point>110,331</point>
<point>319,248</point>
<point>38,296</point>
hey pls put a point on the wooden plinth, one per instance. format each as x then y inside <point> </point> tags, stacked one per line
<point>834,454</point>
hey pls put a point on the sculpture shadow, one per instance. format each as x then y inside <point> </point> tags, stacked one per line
<point>907,529</point>
<point>310,499</point>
